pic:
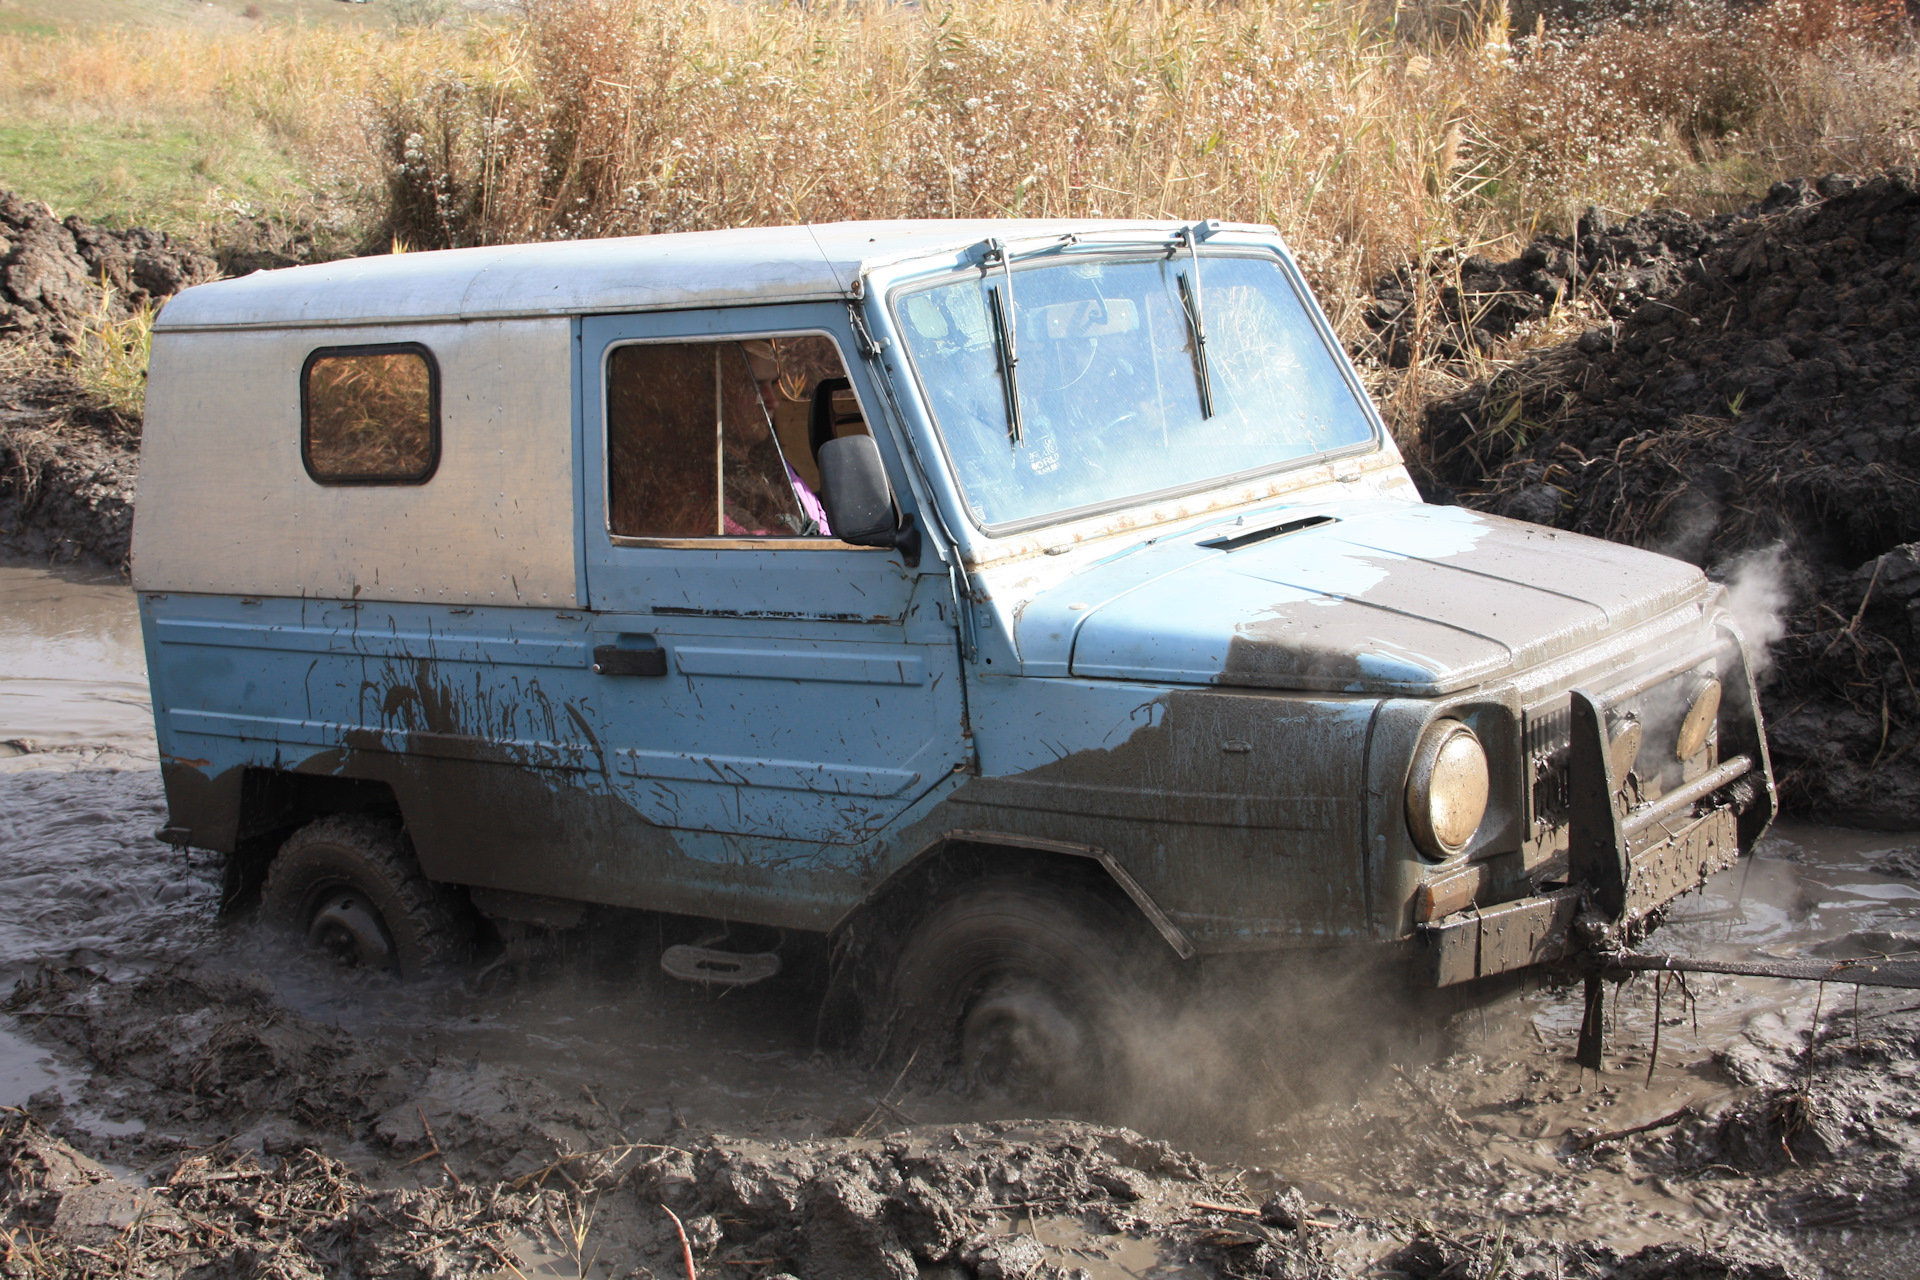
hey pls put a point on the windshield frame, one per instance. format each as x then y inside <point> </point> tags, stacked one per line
<point>1134,251</point>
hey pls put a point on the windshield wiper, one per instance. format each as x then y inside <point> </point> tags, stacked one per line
<point>1196,318</point>
<point>1001,304</point>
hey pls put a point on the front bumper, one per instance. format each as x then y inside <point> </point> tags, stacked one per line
<point>1626,860</point>
<point>1479,943</point>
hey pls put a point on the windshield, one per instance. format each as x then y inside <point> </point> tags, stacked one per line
<point>1111,395</point>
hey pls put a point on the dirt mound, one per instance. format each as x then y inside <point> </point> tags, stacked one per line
<point>303,1214</point>
<point>1832,1128</point>
<point>67,467</point>
<point>1757,387</point>
<point>1453,307</point>
<point>51,271</point>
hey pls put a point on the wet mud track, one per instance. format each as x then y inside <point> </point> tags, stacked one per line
<point>190,1097</point>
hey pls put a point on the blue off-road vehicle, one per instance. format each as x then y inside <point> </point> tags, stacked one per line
<point>1035,603</point>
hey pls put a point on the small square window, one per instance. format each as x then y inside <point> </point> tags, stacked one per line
<point>370,415</point>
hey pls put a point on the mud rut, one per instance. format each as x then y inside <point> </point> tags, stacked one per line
<point>189,1098</point>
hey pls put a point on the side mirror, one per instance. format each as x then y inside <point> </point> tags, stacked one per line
<point>859,501</point>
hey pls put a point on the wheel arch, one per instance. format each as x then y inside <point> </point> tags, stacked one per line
<point>862,944</point>
<point>275,803</point>
<point>963,854</point>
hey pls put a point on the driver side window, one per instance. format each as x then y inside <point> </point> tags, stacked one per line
<point>716,439</point>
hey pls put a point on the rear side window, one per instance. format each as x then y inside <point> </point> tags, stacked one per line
<point>370,415</point>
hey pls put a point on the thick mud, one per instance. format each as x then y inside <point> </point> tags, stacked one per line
<point>194,1097</point>
<point>67,466</point>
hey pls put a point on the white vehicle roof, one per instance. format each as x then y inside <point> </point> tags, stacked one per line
<point>578,277</point>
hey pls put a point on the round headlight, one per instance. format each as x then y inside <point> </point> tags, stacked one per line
<point>1447,794</point>
<point>1702,713</point>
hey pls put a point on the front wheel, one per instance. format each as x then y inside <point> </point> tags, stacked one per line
<point>349,887</point>
<point>1040,992</point>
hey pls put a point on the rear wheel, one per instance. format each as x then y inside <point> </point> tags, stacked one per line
<point>349,886</point>
<point>1038,991</point>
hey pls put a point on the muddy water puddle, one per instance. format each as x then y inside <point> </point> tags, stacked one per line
<point>1475,1123</point>
<point>72,670</point>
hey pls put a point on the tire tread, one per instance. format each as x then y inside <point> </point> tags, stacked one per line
<point>434,929</point>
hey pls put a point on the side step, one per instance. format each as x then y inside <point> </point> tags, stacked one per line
<point>709,967</point>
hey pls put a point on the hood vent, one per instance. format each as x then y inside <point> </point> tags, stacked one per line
<point>1240,540</point>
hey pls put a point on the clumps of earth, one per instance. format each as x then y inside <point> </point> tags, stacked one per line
<point>1746,398</point>
<point>256,1142</point>
<point>67,464</point>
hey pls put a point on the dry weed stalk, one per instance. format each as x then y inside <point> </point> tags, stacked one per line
<point>109,358</point>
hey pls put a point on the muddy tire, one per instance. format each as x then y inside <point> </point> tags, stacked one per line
<point>350,886</point>
<point>1035,990</point>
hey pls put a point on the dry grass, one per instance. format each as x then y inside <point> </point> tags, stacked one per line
<point>186,130</point>
<point>1370,134</point>
<point>1365,144</point>
<point>109,360</point>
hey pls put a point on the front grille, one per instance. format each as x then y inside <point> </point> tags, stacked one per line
<point>1547,735</point>
<point>1547,732</point>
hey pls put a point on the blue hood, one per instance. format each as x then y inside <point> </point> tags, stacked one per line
<point>1377,597</point>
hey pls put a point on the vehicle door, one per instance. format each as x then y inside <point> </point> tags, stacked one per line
<point>766,691</point>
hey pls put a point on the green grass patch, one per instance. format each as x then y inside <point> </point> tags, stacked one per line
<point>13,22</point>
<point>171,175</point>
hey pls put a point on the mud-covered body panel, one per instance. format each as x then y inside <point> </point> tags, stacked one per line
<point>491,733</point>
<point>1237,811</point>
<point>498,742</point>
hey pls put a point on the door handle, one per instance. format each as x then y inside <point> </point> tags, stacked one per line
<point>612,660</point>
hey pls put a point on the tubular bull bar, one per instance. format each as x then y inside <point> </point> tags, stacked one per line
<point>1625,861</point>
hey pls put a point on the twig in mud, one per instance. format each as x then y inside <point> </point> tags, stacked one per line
<point>432,1142</point>
<point>1888,1013</point>
<point>686,1246</point>
<point>1028,1205</point>
<point>1653,1055</point>
<point>606,1110</point>
<point>506,1259</point>
<point>898,1114</point>
<point>1595,1139</point>
<point>1211,1207</point>
<point>435,1143</point>
<point>574,1239</point>
<point>624,1150</point>
<point>881,1101</point>
<point>1813,1037</point>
